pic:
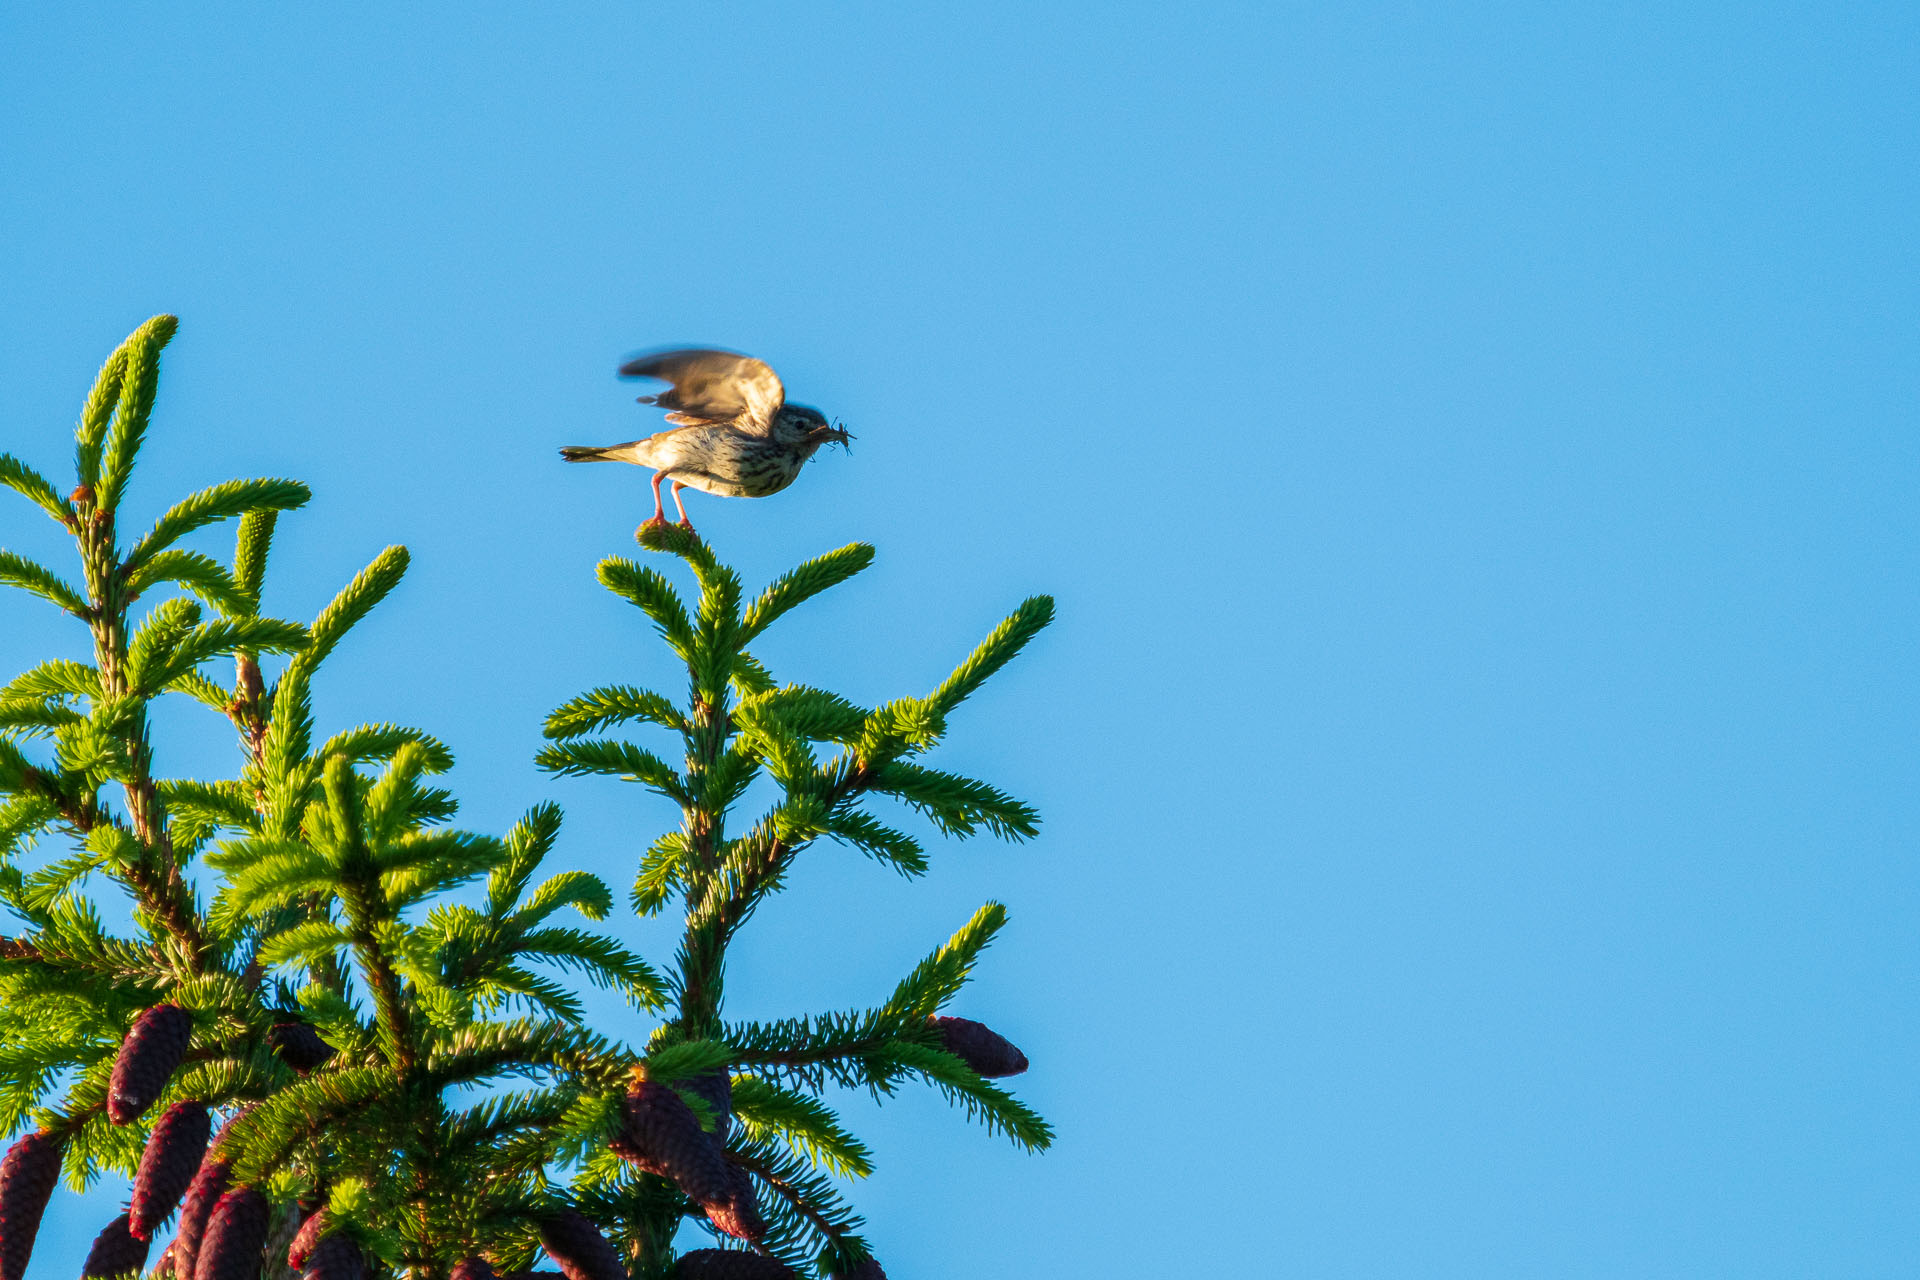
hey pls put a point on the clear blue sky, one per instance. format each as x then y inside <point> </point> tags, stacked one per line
<point>1473,446</point>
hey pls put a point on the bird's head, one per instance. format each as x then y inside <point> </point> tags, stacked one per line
<point>812,427</point>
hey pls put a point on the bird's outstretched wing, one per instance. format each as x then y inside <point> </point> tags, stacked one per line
<point>712,386</point>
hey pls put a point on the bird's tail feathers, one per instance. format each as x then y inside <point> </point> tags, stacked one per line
<point>603,453</point>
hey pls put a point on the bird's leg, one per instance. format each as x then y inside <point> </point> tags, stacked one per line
<point>677,506</point>
<point>659,507</point>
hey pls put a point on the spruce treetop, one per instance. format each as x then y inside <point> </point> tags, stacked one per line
<point>342,1029</point>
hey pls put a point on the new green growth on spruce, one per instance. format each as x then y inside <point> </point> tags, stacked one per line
<point>378,1008</point>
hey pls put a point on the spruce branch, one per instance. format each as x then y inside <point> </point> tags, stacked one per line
<point>938,978</point>
<point>655,596</point>
<point>610,705</point>
<point>251,543</point>
<point>34,487</point>
<point>983,1101</point>
<point>91,433</point>
<point>210,506</point>
<point>55,678</point>
<point>200,574</point>
<point>958,806</point>
<point>803,1123</point>
<point>801,584</point>
<point>814,1211</point>
<point>613,758</point>
<point>368,588</point>
<point>377,742</point>
<point>37,579</point>
<point>993,653</point>
<point>135,405</point>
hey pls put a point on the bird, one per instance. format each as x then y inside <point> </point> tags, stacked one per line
<point>734,432</point>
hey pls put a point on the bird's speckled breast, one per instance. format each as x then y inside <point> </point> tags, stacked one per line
<point>725,462</point>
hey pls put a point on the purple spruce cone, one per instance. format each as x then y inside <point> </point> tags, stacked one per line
<point>738,1212</point>
<point>209,1184</point>
<point>299,1046</point>
<point>663,1136</point>
<point>731,1264</point>
<point>336,1257</point>
<point>213,1180</point>
<point>167,1166</point>
<point>116,1251</point>
<point>577,1245</point>
<point>866,1269</point>
<point>989,1053</point>
<point>147,1060</point>
<point>230,1248</point>
<point>307,1237</point>
<point>27,1176</point>
<point>475,1268</point>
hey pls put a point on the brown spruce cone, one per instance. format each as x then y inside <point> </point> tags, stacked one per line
<point>299,1046</point>
<point>475,1268</point>
<point>27,1176</point>
<point>989,1053</point>
<point>577,1245</point>
<point>738,1212</point>
<point>167,1166</point>
<point>116,1251</point>
<point>731,1264</point>
<point>663,1136</point>
<point>715,1088</point>
<point>867,1269</point>
<point>147,1060</point>
<point>209,1184</point>
<point>236,1231</point>
<point>336,1257</point>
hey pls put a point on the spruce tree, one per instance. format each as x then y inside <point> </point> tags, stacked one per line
<point>343,1037</point>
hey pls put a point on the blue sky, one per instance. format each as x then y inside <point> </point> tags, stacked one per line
<point>1473,448</point>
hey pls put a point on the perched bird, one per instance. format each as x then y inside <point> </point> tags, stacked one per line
<point>734,433</point>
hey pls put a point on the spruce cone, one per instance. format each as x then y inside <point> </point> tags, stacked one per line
<point>577,1245</point>
<point>336,1257</point>
<point>209,1184</point>
<point>864,1270</point>
<point>663,1136</point>
<point>163,1269</point>
<point>715,1088</point>
<point>27,1175</point>
<point>116,1251</point>
<point>299,1046</point>
<point>738,1212</point>
<point>475,1268</point>
<point>986,1051</point>
<point>308,1236</point>
<point>167,1166</point>
<point>731,1264</point>
<point>147,1060</point>
<point>230,1248</point>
